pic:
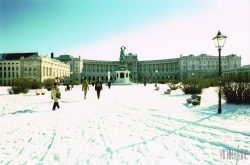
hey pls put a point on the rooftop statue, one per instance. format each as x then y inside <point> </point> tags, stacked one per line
<point>122,55</point>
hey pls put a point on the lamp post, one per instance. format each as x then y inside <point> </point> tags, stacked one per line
<point>156,71</point>
<point>219,41</point>
<point>193,75</point>
<point>72,79</point>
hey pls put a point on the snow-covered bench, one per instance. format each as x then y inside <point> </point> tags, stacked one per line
<point>10,90</point>
<point>195,100</point>
<point>42,91</point>
<point>168,91</point>
<point>38,91</point>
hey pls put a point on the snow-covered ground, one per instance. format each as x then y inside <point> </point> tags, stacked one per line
<point>127,125</point>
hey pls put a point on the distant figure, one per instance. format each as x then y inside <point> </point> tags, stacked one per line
<point>56,96</point>
<point>109,84</point>
<point>98,87</point>
<point>68,87</point>
<point>85,87</point>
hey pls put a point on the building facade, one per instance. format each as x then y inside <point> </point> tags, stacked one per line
<point>201,66</point>
<point>244,70</point>
<point>31,66</point>
<point>204,66</point>
<point>69,69</point>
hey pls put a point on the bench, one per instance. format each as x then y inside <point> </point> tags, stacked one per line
<point>42,91</point>
<point>168,91</point>
<point>194,100</point>
<point>10,90</point>
<point>38,91</point>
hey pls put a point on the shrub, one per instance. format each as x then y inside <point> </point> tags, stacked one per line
<point>192,86</point>
<point>236,90</point>
<point>205,82</point>
<point>65,84</point>
<point>211,82</point>
<point>161,81</point>
<point>76,83</point>
<point>36,84</point>
<point>48,83</point>
<point>173,84</point>
<point>20,85</point>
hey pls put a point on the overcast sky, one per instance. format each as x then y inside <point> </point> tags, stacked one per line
<point>152,29</point>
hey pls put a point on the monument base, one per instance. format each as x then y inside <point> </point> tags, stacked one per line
<point>116,84</point>
<point>122,78</point>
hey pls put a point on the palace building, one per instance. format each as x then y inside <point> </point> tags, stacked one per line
<point>201,66</point>
<point>70,69</point>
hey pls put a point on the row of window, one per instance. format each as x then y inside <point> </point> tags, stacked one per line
<point>9,74</point>
<point>8,63</point>
<point>208,62</point>
<point>160,70</point>
<point>97,70</point>
<point>30,74</point>
<point>8,68</point>
<point>205,67</point>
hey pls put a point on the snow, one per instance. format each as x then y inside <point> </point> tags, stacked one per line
<point>127,125</point>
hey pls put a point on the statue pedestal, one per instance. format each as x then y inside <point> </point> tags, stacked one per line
<point>122,78</point>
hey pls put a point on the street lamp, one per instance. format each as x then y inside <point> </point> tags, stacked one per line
<point>156,71</point>
<point>72,79</point>
<point>193,75</point>
<point>219,41</point>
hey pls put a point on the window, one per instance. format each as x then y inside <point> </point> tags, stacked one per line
<point>43,71</point>
<point>30,72</point>
<point>34,72</point>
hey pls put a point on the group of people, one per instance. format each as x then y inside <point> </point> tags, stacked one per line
<point>56,93</point>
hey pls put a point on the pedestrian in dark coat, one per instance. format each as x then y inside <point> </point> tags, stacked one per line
<point>109,84</point>
<point>98,87</point>
<point>55,95</point>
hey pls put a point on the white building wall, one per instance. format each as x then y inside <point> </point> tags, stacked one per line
<point>9,69</point>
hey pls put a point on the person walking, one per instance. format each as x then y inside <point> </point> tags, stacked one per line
<point>85,87</point>
<point>55,95</point>
<point>109,84</point>
<point>98,87</point>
